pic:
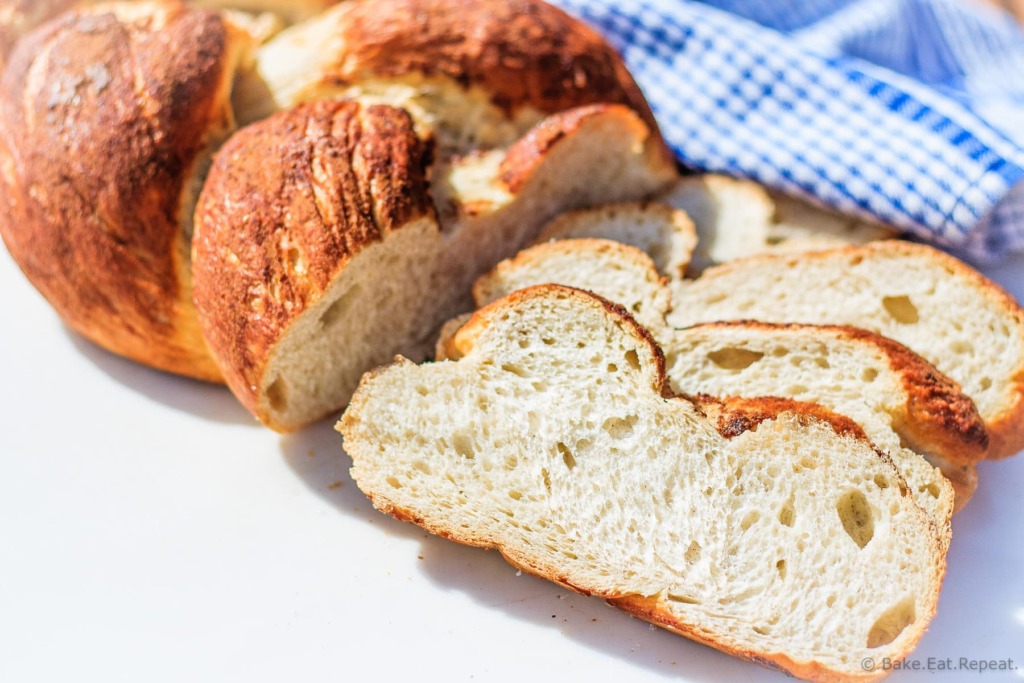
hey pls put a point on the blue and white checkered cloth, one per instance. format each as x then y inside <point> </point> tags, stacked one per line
<point>911,111</point>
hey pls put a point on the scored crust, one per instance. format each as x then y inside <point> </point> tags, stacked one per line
<point>106,116</point>
<point>313,186</point>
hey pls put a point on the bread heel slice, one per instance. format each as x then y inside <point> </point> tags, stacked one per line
<point>554,439</point>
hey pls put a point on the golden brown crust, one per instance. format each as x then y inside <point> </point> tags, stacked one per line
<point>939,417</point>
<point>733,415</point>
<point>104,117</point>
<point>18,17</point>
<point>288,202</point>
<point>523,53</point>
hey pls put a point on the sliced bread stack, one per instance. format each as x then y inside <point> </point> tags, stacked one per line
<point>769,529</point>
<point>902,402</point>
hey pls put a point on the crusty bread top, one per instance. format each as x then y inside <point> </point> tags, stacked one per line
<point>476,73</point>
<point>288,202</point>
<point>788,542</point>
<point>18,17</point>
<point>106,114</point>
<point>523,52</point>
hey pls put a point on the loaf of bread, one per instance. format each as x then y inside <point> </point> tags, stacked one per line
<point>319,221</point>
<point>107,119</point>
<point>947,312</point>
<point>905,406</point>
<point>774,531</point>
<point>112,113</point>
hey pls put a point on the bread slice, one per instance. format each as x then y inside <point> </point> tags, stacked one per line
<point>667,235</point>
<point>319,253</point>
<point>785,538</point>
<point>738,218</point>
<point>616,271</point>
<point>903,403</point>
<point>947,312</point>
<point>906,407</point>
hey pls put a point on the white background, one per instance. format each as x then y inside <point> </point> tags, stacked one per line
<point>151,531</point>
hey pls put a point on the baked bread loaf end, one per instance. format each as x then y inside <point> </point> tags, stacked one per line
<point>106,116</point>
<point>318,222</point>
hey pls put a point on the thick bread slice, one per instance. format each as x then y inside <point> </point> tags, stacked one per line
<point>738,218</point>
<point>947,312</point>
<point>792,541</point>
<point>620,273</point>
<point>318,223</point>
<point>904,405</point>
<point>667,235</point>
<point>108,116</point>
<point>476,75</point>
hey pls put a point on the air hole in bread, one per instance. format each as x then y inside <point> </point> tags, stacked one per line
<point>422,467</point>
<point>277,395</point>
<point>985,383</point>
<point>684,599</point>
<point>567,456</point>
<point>619,427</point>
<point>780,351</point>
<point>891,624</point>
<point>780,567</point>
<point>869,374</point>
<point>693,552</point>
<point>340,308</point>
<point>514,495</point>
<point>881,482</point>
<point>855,513</point>
<point>612,367</point>
<point>749,519</point>
<point>734,358</point>
<point>546,478</point>
<point>962,347</point>
<point>901,308</point>
<point>932,489</point>
<point>547,341</point>
<point>394,483</point>
<point>787,513</point>
<point>632,359</point>
<point>463,445</point>
<point>517,370</point>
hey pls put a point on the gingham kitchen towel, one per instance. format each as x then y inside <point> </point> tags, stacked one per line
<point>908,110</point>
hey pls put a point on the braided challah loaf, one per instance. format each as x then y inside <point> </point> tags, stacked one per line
<point>468,123</point>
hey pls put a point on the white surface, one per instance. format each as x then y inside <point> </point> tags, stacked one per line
<point>150,531</point>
